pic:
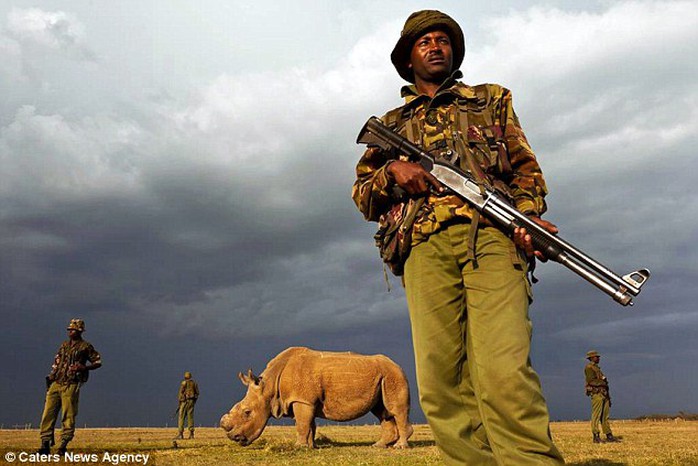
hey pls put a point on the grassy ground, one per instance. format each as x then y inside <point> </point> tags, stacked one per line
<point>653,443</point>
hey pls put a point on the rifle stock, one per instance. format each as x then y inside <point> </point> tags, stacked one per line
<point>496,208</point>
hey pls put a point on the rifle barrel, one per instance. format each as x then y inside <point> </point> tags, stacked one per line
<point>507,218</point>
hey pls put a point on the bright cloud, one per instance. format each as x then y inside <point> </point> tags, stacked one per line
<point>53,30</point>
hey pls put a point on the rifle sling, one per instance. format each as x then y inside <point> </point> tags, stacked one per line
<point>474,168</point>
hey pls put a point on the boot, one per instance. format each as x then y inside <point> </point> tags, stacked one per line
<point>597,438</point>
<point>63,447</point>
<point>179,436</point>
<point>191,434</point>
<point>45,448</point>
<point>611,438</point>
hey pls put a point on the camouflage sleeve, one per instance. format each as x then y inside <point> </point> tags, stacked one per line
<point>56,360</point>
<point>93,356</point>
<point>59,356</point>
<point>527,184</point>
<point>370,190</point>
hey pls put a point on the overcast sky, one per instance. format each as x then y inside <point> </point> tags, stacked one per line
<point>178,174</point>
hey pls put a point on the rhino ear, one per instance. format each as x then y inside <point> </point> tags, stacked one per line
<point>253,378</point>
<point>243,378</point>
<point>250,378</point>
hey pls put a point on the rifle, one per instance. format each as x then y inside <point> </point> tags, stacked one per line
<point>505,217</point>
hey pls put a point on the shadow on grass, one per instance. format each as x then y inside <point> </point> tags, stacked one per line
<point>598,462</point>
<point>322,442</point>
<point>120,448</point>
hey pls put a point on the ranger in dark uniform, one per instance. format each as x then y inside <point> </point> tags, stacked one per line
<point>188,394</point>
<point>69,372</point>
<point>597,388</point>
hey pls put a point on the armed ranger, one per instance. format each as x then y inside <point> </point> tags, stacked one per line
<point>505,217</point>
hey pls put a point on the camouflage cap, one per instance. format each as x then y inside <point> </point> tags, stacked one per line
<point>187,375</point>
<point>76,324</point>
<point>592,353</point>
<point>418,24</point>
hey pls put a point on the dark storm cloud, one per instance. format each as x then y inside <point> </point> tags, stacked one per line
<point>221,216</point>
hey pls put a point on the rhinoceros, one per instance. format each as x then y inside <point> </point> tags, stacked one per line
<point>304,384</point>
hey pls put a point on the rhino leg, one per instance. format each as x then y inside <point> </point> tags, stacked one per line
<point>405,431</point>
<point>396,399</point>
<point>388,433</point>
<point>403,428</point>
<point>305,424</point>
<point>388,427</point>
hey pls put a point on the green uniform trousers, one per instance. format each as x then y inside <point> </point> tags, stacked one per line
<point>600,410</point>
<point>63,398</point>
<point>471,337</point>
<point>186,410</point>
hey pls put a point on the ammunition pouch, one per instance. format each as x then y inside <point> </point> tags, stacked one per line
<point>597,389</point>
<point>394,235</point>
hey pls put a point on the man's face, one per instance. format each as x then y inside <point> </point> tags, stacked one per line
<point>73,334</point>
<point>596,359</point>
<point>431,58</point>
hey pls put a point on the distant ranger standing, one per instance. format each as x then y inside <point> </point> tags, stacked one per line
<point>597,389</point>
<point>188,394</point>
<point>69,372</point>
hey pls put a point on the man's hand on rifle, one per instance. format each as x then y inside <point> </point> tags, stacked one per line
<point>523,240</point>
<point>413,178</point>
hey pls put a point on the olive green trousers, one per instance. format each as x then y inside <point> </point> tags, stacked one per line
<point>186,411</point>
<point>471,335</point>
<point>60,398</point>
<point>600,410</point>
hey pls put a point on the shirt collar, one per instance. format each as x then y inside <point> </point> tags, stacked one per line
<point>450,85</point>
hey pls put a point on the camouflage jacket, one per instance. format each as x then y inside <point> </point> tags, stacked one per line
<point>595,380</point>
<point>188,390</point>
<point>476,122</point>
<point>69,353</point>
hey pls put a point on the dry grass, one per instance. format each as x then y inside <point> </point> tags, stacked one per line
<point>645,443</point>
